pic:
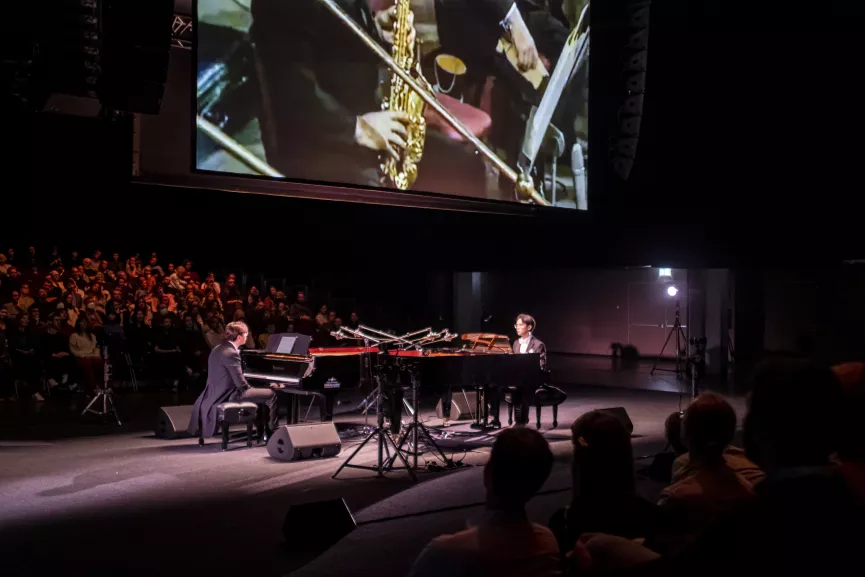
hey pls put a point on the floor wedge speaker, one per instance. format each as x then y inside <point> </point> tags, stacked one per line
<point>462,405</point>
<point>294,442</point>
<point>621,414</point>
<point>172,422</point>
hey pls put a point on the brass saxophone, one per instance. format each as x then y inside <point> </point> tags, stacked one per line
<point>403,172</point>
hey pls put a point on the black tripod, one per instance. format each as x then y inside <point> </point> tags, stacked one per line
<point>685,367</point>
<point>382,436</point>
<point>104,396</point>
<point>416,429</point>
<point>681,360</point>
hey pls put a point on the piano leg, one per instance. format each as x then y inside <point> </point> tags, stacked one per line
<point>495,402</point>
<point>327,410</point>
<point>294,415</point>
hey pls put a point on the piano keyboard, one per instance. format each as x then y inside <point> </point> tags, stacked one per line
<point>272,378</point>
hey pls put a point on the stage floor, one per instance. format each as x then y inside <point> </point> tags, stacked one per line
<point>118,500</point>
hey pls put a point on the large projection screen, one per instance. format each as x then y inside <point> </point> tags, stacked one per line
<point>289,89</point>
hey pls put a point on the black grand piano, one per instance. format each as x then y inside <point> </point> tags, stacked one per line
<point>483,362</point>
<point>287,362</point>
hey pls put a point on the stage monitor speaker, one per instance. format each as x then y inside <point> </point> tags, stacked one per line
<point>172,422</point>
<point>462,405</point>
<point>621,414</point>
<point>314,527</point>
<point>294,442</point>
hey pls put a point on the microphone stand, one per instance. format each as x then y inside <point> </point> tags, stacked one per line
<point>382,437</point>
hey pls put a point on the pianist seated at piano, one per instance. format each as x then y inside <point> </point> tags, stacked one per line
<point>226,383</point>
<point>527,343</point>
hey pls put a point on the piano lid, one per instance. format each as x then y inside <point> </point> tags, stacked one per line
<point>487,341</point>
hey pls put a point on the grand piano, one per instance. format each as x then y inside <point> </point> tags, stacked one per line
<point>479,361</point>
<point>305,373</point>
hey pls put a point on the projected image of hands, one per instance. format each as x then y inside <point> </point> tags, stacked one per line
<point>482,100</point>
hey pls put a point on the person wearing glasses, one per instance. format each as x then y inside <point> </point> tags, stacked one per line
<point>526,341</point>
<point>226,383</point>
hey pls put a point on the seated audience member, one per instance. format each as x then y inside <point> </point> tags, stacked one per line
<point>7,379</point>
<point>321,317</point>
<point>734,456</point>
<point>11,305</point>
<point>43,304</point>
<point>94,317</point>
<point>83,346</point>
<point>851,452</point>
<point>299,309</point>
<point>176,283</point>
<point>353,321</point>
<point>712,487</point>
<point>74,297</point>
<point>25,300</point>
<point>269,330</point>
<point>661,468</point>
<point>167,354</point>
<point>59,362</point>
<point>604,486</point>
<point>24,351</point>
<point>138,337</point>
<point>194,346</point>
<point>114,337</point>
<point>213,331</point>
<point>803,519</point>
<point>506,543</point>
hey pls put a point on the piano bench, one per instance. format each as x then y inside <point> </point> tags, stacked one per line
<point>545,396</point>
<point>228,414</point>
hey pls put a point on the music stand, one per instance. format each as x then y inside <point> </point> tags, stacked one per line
<point>539,128</point>
<point>288,344</point>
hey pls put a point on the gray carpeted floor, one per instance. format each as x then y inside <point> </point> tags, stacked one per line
<point>133,504</point>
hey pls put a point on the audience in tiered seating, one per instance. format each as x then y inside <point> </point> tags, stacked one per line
<point>63,316</point>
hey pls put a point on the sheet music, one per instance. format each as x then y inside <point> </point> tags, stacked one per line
<point>572,56</point>
<point>286,345</point>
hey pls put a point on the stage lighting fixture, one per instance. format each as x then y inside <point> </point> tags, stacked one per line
<point>665,273</point>
<point>672,291</point>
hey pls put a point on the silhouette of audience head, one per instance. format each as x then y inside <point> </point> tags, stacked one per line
<point>673,433</point>
<point>794,412</point>
<point>519,465</point>
<point>709,426</point>
<point>852,442</point>
<point>603,458</point>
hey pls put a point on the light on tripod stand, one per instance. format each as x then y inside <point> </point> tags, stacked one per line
<point>672,291</point>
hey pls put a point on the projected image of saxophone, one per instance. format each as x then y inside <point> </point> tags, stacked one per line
<point>403,172</point>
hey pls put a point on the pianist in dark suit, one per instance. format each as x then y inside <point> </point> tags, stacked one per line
<point>226,383</point>
<point>527,343</point>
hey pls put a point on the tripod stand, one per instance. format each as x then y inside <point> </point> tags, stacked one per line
<point>382,437</point>
<point>416,429</point>
<point>105,395</point>
<point>681,361</point>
